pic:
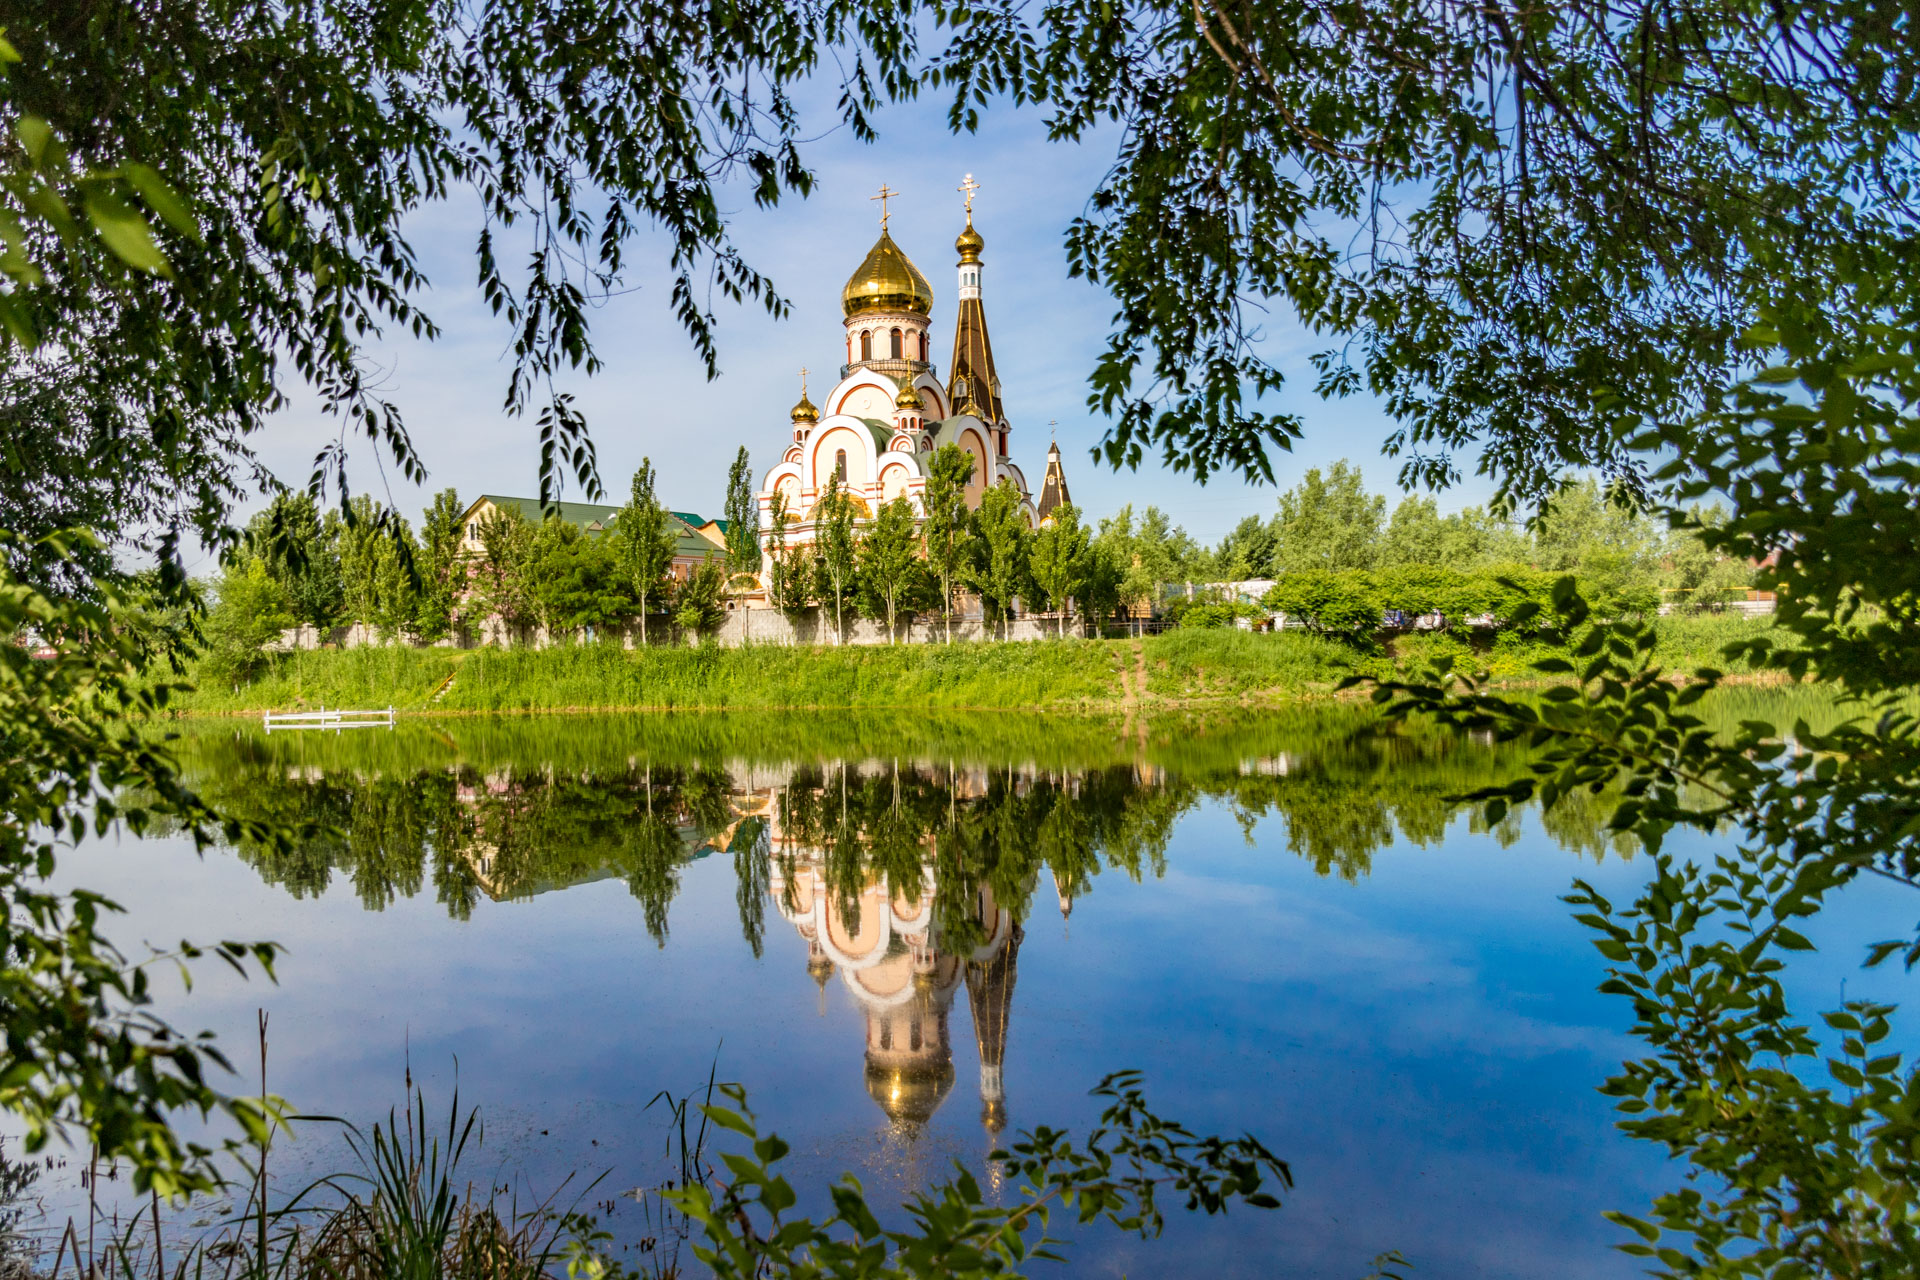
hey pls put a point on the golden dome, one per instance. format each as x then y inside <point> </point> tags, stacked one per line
<point>969,244</point>
<point>887,281</point>
<point>908,398</point>
<point>804,411</point>
<point>909,1096</point>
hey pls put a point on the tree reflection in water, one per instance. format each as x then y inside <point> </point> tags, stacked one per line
<point>907,860</point>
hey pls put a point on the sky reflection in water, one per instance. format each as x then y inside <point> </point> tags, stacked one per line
<point>902,938</point>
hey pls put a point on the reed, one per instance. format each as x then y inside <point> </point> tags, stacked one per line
<point>1181,667</point>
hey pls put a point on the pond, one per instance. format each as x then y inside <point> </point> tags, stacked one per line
<point>909,936</point>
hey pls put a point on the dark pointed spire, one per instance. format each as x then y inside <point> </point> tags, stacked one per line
<point>972,384</point>
<point>990,996</point>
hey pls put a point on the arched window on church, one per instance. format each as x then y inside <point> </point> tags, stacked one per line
<point>898,351</point>
<point>840,464</point>
<point>866,344</point>
<point>913,1036</point>
<point>923,348</point>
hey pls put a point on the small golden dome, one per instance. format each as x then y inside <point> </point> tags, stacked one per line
<point>908,398</point>
<point>969,244</point>
<point>887,281</point>
<point>804,411</point>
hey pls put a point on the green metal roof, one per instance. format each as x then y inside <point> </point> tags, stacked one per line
<point>587,515</point>
<point>578,514</point>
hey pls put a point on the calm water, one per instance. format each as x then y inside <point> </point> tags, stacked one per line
<point>904,939</point>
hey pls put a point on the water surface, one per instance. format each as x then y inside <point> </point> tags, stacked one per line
<point>910,936</point>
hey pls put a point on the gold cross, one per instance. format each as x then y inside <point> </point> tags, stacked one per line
<point>803,382</point>
<point>968,187</point>
<point>886,193</point>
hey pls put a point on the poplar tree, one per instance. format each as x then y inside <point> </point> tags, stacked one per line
<point>945,530</point>
<point>743,517</point>
<point>1059,559</point>
<point>789,579</point>
<point>998,551</point>
<point>644,530</point>
<point>442,567</point>
<point>836,542</point>
<point>506,543</point>
<point>888,559</point>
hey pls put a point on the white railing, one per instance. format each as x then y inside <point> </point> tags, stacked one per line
<point>325,719</point>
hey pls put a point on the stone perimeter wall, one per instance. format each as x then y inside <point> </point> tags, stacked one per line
<point>742,626</point>
<point>770,626</point>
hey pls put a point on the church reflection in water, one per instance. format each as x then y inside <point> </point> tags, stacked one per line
<point>883,944</point>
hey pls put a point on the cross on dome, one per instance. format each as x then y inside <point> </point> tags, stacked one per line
<point>886,194</point>
<point>967,187</point>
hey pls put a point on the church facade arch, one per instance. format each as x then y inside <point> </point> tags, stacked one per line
<point>864,394</point>
<point>833,439</point>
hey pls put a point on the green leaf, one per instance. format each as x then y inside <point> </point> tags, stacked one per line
<point>124,231</point>
<point>728,1119</point>
<point>163,200</point>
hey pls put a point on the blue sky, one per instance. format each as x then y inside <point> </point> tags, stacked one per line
<point>653,398</point>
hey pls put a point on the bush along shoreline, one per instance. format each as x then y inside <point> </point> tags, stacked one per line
<point>1182,667</point>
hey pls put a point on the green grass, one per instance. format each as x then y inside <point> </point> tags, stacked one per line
<point>1225,662</point>
<point>1072,675</point>
<point>1221,665</point>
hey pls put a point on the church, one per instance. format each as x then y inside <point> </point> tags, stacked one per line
<point>881,423</point>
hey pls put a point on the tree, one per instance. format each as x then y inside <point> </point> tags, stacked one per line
<point>1001,544</point>
<point>837,549</point>
<point>1100,593</point>
<point>1059,559</point>
<point>503,580</point>
<point>1605,541</point>
<point>576,580</point>
<point>743,517</point>
<point>1246,552</point>
<point>360,536</point>
<point>1415,535</point>
<point>949,472</point>
<point>699,606</point>
<point>1148,554</point>
<point>1328,522</point>
<point>1696,573</point>
<point>302,554</point>
<point>443,541</point>
<point>644,534</point>
<point>790,579</point>
<point>1163,552</point>
<point>1476,538</point>
<point>1339,603</point>
<point>889,556</point>
<point>249,613</point>
<point>396,578</point>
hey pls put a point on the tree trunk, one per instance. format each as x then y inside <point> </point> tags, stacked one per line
<point>643,619</point>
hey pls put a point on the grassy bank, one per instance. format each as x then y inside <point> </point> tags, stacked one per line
<point>1180,667</point>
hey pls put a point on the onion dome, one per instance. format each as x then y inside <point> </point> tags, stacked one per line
<point>804,411</point>
<point>887,281</point>
<point>908,398</point>
<point>912,1094</point>
<point>969,244</point>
